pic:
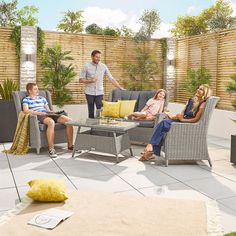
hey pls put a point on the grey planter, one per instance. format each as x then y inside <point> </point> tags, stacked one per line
<point>233,149</point>
<point>8,120</point>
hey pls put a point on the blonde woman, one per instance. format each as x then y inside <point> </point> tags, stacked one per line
<point>153,106</point>
<point>191,114</point>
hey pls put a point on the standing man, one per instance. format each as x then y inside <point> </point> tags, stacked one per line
<point>92,76</point>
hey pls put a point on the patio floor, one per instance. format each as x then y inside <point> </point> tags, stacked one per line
<point>101,173</point>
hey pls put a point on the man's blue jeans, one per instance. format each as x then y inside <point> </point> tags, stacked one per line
<point>159,134</point>
<point>93,100</point>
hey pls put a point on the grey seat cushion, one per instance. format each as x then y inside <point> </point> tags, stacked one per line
<point>43,127</point>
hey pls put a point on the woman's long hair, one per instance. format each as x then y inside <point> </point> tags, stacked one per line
<point>158,91</point>
<point>207,94</point>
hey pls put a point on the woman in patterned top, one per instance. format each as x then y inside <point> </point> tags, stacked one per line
<point>153,106</point>
<point>191,114</point>
<point>38,105</point>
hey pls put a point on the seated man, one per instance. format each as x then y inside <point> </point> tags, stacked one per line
<point>38,105</point>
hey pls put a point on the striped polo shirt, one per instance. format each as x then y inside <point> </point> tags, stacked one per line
<point>35,104</point>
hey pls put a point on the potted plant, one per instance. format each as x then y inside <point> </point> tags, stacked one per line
<point>232,88</point>
<point>8,118</point>
<point>58,75</point>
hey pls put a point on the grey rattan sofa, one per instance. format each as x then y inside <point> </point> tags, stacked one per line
<point>37,132</point>
<point>188,141</point>
<point>144,130</point>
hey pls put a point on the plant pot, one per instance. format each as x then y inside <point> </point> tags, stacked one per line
<point>8,120</point>
<point>233,149</point>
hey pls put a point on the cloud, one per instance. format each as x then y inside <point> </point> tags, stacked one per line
<point>193,10</point>
<point>233,4</point>
<point>104,17</point>
<point>163,32</point>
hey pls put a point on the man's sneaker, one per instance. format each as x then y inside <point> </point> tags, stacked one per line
<point>52,153</point>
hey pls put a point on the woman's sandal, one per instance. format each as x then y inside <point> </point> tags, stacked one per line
<point>147,156</point>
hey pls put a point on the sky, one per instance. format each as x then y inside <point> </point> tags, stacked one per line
<point>115,13</point>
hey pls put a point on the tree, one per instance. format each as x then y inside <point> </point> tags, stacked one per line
<point>195,78</point>
<point>150,22</point>
<point>58,75</point>
<point>126,32</point>
<point>8,13</point>
<point>143,71</point>
<point>93,29</point>
<point>111,32</point>
<point>72,22</point>
<point>25,16</point>
<point>189,25</point>
<point>218,16</point>
<point>231,87</point>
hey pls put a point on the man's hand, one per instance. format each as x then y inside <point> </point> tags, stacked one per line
<point>93,79</point>
<point>121,88</point>
<point>42,114</point>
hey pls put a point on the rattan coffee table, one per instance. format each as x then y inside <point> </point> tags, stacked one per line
<point>103,135</point>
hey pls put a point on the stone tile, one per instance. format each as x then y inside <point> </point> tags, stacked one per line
<point>219,154</point>
<point>185,172</point>
<point>8,198</point>
<point>147,178</point>
<point>214,187</point>
<point>23,177</point>
<point>108,183</point>
<point>128,165</point>
<point>228,219</point>
<point>176,190</point>
<point>6,179</point>
<point>229,202</point>
<point>82,168</point>
<point>34,163</point>
<point>222,167</point>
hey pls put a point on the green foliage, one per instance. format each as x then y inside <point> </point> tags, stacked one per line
<point>94,29</point>
<point>126,32</point>
<point>25,16</point>
<point>7,88</point>
<point>143,71</point>
<point>8,13</point>
<point>219,16</point>
<point>150,22</point>
<point>72,22</point>
<point>163,42</point>
<point>231,87</point>
<point>15,37</point>
<point>195,78</point>
<point>111,32</point>
<point>58,75</point>
<point>231,234</point>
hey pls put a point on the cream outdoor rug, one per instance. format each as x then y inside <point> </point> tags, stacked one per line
<point>102,214</point>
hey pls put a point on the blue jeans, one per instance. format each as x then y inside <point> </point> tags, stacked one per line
<point>159,134</point>
<point>93,100</point>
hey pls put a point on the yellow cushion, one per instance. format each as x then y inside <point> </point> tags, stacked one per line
<point>47,190</point>
<point>111,109</point>
<point>126,107</point>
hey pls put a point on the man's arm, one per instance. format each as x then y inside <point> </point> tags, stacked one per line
<point>29,111</point>
<point>113,81</point>
<point>87,81</point>
<point>116,84</point>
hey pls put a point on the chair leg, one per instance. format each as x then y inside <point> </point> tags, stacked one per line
<point>210,164</point>
<point>38,150</point>
<point>167,162</point>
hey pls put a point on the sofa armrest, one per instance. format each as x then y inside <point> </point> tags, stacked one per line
<point>159,118</point>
